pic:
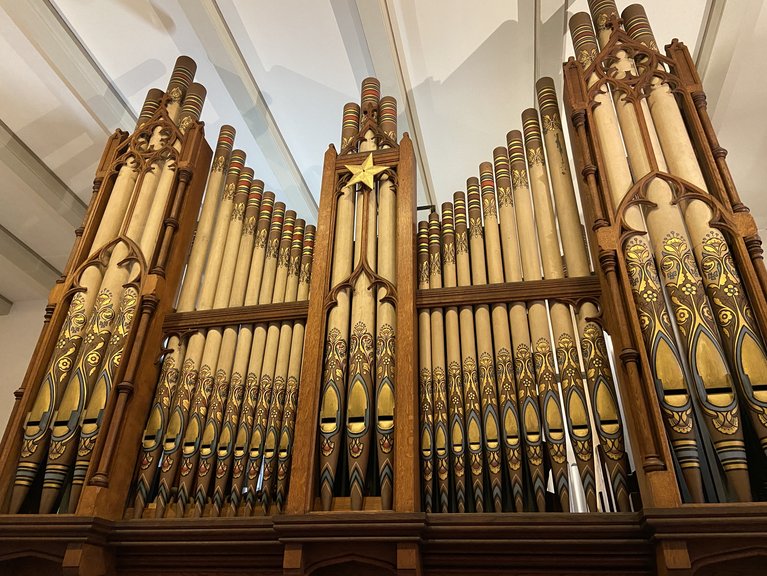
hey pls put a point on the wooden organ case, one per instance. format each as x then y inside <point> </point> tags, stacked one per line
<point>222,388</point>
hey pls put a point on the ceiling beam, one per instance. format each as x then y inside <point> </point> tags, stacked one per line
<point>57,43</point>
<point>724,24</point>
<point>41,180</point>
<point>709,27</point>
<point>712,15</point>
<point>220,46</point>
<point>5,305</point>
<point>349,21</point>
<point>27,260</point>
<point>383,41</point>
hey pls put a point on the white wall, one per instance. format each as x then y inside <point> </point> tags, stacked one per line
<point>19,330</point>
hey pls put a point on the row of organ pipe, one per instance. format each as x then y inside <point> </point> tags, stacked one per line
<point>220,429</point>
<point>502,387</point>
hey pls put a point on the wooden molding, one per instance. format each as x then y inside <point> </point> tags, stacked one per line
<point>183,321</point>
<point>565,289</point>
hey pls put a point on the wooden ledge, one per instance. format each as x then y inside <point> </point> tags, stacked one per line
<point>612,544</point>
<point>702,520</point>
<point>565,289</point>
<point>183,321</point>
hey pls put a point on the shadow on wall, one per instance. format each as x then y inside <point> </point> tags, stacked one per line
<point>19,331</point>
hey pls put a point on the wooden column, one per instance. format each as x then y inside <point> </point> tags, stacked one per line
<point>406,484</point>
<point>300,497</point>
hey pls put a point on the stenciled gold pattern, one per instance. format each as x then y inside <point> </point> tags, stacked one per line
<point>385,349</point>
<point>487,390</point>
<point>423,273</point>
<point>333,376</point>
<point>535,156</point>
<point>103,386</point>
<point>427,431</point>
<point>524,370</point>
<point>598,371</point>
<point>260,241</point>
<point>440,415</point>
<point>551,122</point>
<point>543,360</point>
<point>461,242</point>
<point>473,431</point>
<point>361,350</point>
<point>273,248</point>
<point>249,226</point>
<point>283,260</point>
<point>569,369</point>
<point>519,178</point>
<point>656,329</point>
<point>504,366</point>
<point>587,57</point>
<point>696,323</point>
<point>294,268</point>
<point>488,206</point>
<point>505,197</point>
<point>448,253</point>
<point>175,94</point>
<point>475,227</point>
<point>736,322</point>
<point>455,394</point>
<point>306,273</point>
<point>238,211</point>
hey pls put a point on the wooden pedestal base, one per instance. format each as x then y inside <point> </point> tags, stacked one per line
<point>692,540</point>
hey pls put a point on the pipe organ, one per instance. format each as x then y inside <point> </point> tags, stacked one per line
<point>523,378</point>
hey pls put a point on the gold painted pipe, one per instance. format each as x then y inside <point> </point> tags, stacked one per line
<point>438,369</point>
<point>469,369</point>
<point>294,375</point>
<point>455,408</point>
<point>524,369</point>
<point>660,343</point>
<point>89,386</point>
<point>238,416</point>
<point>276,354</point>
<point>281,374</point>
<point>425,386</point>
<point>229,342</point>
<point>573,392</point>
<point>602,391</point>
<point>543,357</point>
<point>386,315</point>
<point>511,428</point>
<point>333,388</point>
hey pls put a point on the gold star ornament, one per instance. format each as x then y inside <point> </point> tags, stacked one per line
<point>365,173</point>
